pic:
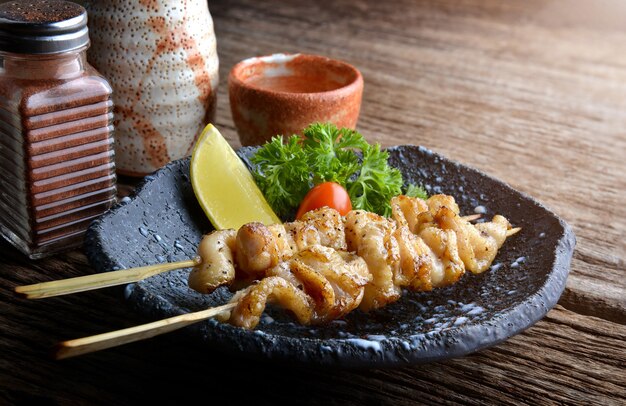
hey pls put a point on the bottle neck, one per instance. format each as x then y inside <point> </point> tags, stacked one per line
<point>37,67</point>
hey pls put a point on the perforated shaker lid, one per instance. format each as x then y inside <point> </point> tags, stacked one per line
<point>42,27</point>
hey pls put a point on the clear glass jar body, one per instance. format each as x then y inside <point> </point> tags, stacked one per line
<point>57,169</point>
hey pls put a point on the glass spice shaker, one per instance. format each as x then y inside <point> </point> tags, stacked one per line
<point>56,147</point>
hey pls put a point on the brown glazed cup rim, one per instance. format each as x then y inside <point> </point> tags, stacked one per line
<point>238,78</point>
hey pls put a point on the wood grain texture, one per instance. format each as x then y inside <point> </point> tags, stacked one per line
<point>530,92</point>
<point>565,358</point>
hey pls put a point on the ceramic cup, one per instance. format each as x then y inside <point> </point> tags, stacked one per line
<point>282,94</point>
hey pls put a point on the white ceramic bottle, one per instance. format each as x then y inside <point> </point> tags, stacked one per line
<point>160,57</point>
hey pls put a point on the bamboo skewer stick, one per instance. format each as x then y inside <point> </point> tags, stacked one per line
<point>85,345</point>
<point>97,281</point>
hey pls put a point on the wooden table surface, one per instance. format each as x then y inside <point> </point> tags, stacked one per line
<point>532,92</point>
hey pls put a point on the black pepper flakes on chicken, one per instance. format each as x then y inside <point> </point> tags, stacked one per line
<point>324,266</point>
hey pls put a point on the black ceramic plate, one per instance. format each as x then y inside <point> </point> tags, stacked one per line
<point>163,222</point>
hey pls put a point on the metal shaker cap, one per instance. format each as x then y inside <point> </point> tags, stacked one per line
<point>42,27</point>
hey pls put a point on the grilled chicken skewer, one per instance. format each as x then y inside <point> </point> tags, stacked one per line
<point>426,245</point>
<point>257,249</point>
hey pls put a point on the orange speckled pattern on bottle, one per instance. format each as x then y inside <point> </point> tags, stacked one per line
<point>160,57</point>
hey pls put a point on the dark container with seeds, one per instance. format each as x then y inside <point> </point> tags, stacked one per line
<point>56,146</point>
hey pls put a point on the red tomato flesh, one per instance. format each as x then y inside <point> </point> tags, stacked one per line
<point>329,194</point>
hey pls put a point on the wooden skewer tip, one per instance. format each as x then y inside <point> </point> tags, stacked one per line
<point>59,352</point>
<point>19,292</point>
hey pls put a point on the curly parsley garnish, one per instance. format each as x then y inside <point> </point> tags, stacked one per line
<point>286,170</point>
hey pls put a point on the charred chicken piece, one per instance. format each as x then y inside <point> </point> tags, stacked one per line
<point>248,253</point>
<point>316,285</point>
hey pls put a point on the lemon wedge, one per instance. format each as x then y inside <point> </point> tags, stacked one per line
<point>223,185</point>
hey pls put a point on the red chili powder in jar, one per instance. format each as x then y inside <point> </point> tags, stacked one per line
<point>56,147</point>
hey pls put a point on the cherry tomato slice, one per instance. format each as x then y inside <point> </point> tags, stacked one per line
<point>329,194</point>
